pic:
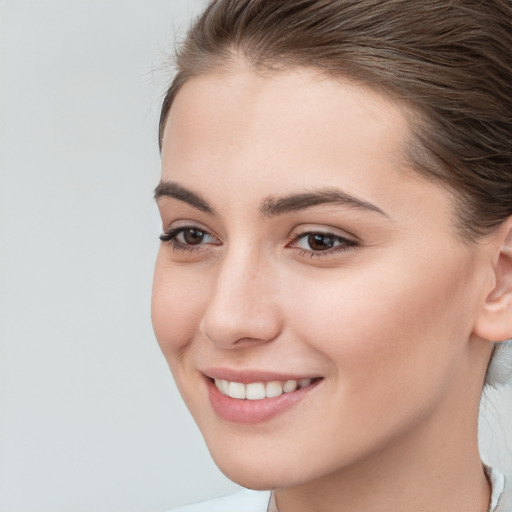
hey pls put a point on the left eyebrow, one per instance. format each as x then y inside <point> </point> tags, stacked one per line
<point>177,191</point>
<point>279,205</point>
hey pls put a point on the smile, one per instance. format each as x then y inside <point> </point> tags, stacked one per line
<point>260,396</point>
<point>259,390</point>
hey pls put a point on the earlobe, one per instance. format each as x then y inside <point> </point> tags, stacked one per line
<point>494,322</point>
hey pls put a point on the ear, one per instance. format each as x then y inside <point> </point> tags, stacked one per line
<point>494,322</point>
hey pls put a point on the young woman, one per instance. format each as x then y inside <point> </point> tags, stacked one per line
<point>334,285</point>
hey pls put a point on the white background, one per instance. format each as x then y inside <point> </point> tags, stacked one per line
<point>89,416</point>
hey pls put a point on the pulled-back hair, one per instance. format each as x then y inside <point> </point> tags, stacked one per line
<point>449,60</point>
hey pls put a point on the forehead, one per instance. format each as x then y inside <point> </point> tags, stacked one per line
<point>289,131</point>
<point>281,114</point>
<point>255,103</point>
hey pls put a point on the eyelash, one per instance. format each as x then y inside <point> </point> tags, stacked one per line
<point>345,244</point>
<point>170,238</point>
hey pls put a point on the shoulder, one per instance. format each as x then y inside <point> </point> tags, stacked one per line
<point>243,501</point>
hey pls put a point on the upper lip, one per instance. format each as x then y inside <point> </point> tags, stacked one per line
<point>253,375</point>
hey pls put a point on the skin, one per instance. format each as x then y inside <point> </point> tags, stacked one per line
<point>391,323</point>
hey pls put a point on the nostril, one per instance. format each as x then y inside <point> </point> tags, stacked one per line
<point>234,328</point>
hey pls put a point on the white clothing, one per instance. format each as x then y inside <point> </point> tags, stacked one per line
<point>243,501</point>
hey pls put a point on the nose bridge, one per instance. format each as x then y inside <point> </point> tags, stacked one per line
<point>242,304</point>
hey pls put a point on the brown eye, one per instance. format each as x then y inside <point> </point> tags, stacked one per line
<point>189,237</point>
<point>192,236</point>
<point>321,241</point>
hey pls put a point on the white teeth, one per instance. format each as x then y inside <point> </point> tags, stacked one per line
<point>304,382</point>
<point>273,389</point>
<point>259,390</point>
<point>289,386</point>
<point>236,390</point>
<point>255,391</point>
<point>224,387</point>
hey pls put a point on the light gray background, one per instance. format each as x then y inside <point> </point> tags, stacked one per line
<point>89,416</point>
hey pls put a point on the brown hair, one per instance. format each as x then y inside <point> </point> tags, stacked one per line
<point>450,59</point>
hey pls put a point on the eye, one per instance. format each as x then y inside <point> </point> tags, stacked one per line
<point>186,237</point>
<point>324,243</point>
<point>191,236</point>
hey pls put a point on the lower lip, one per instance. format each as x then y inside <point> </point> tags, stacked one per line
<point>254,411</point>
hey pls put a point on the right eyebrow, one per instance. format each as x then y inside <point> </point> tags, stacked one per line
<point>176,191</point>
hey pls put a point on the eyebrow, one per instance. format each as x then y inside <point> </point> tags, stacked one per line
<point>279,205</point>
<point>177,191</point>
<point>272,205</point>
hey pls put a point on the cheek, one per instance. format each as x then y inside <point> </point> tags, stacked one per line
<point>396,323</point>
<point>177,305</point>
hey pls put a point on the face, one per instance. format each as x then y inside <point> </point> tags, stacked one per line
<point>305,268</point>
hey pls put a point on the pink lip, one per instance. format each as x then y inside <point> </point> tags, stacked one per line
<point>254,411</point>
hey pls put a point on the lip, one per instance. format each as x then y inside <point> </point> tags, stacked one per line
<point>253,411</point>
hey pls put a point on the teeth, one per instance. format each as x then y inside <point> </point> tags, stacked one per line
<point>224,386</point>
<point>255,391</point>
<point>236,390</point>
<point>273,389</point>
<point>289,386</point>
<point>259,390</point>
<point>304,382</point>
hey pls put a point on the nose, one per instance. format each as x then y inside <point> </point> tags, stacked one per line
<point>243,306</point>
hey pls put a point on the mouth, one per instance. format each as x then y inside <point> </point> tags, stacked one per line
<point>260,390</point>
<point>255,400</point>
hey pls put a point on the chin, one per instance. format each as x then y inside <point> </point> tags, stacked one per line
<point>260,473</point>
<point>244,469</point>
<point>259,478</point>
<point>254,481</point>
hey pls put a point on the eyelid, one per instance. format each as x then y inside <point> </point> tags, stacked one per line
<point>307,229</point>
<point>187,223</point>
